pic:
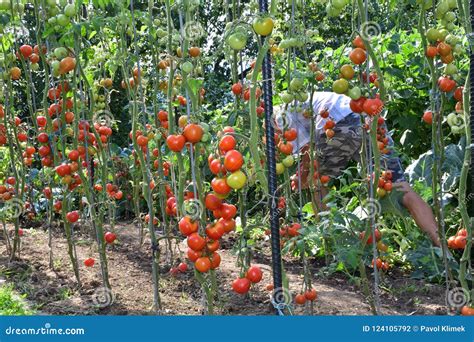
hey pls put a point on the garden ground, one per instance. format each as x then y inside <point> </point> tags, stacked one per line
<point>55,291</point>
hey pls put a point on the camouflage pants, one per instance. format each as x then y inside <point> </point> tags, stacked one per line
<point>335,154</point>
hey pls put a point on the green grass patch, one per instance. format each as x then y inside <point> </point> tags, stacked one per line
<point>11,303</point>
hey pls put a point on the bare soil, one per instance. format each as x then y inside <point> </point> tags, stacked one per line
<point>55,291</point>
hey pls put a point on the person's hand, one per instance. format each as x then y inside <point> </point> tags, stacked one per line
<point>303,171</point>
<point>304,179</point>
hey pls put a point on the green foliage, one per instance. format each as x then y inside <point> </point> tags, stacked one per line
<point>11,304</point>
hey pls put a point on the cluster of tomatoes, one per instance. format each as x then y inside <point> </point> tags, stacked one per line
<point>381,265</point>
<point>192,133</point>
<point>112,190</point>
<point>287,232</point>
<point>383,248</point>
<point>228,160</point>
<point>242,285</point>
<point>285,146</point>
<point>7,191</point>
<point>329,123</point>
<point>385,185</point>
<point>358,103</point>
<point>309,295</point>
<point>459,240</point>
<point>239,91</point>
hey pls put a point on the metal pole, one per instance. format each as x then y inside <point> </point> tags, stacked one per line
<point>470,187</point>
<point>272,177</point>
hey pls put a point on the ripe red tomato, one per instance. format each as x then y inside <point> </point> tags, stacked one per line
<point>110,237</point>
<point>358,56</point>
<point>378,236</point>
<point>215,231</point>
<point>183,267</point>
<point>219,185</point>
<point>285,148</point>
<point>233,160</point>
<point>428,117</point>
<point>72,216</point>
<point>142,140</point>
<point>446,84</point>
<point>372,107</point>
<point>73,155</point>
<point>175,142</point>
<point>26,50</point>
<point>290,134</point>
<point>227,143</point>
<point>196,242</point>
<point>187,227</point>
<point>43,138</point>
<point>63,170</point>
<point>241,285</point>
<point>460,242</point>
<point>254,274</point>
<point>215,260</point>
<point>212,202</point>
<point>300,299</point>
<point>228,211</point>
<point>203,264</point>
<point>193,255</point>
<point>357,106</point>
<point>237,88</point>
<point>458,93</point>
<point>89,262</point>
<point>467,311</point>
<point>216,167</point>
<point>311,295</point>
<point>358,42</point>
<point>229,225</point>
<point>212,245</point>
<point>193,133</point>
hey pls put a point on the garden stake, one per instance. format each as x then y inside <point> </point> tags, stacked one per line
<point>272,176</point>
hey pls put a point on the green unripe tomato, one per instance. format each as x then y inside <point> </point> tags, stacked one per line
<point>339,4</point>
<point>70,10</point>
<point>288,161</point>
<point>286,97</point>
<point>301,96</point>
<point>34,66</point>
<point>187,67</point>
<point>62,20</point>
<point>60,52</point>
<point>450,17</point>
<point>354,93</point>
<point>450,69</point>
<point>237,41</point>
<point>432,34</point>
<point>296,84</point>
<point>280,168</point>
<point>452,4</point>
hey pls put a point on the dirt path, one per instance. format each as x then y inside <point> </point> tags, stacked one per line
<point>55,292</point>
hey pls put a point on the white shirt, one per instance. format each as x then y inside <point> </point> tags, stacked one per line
<point>337,105</point>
